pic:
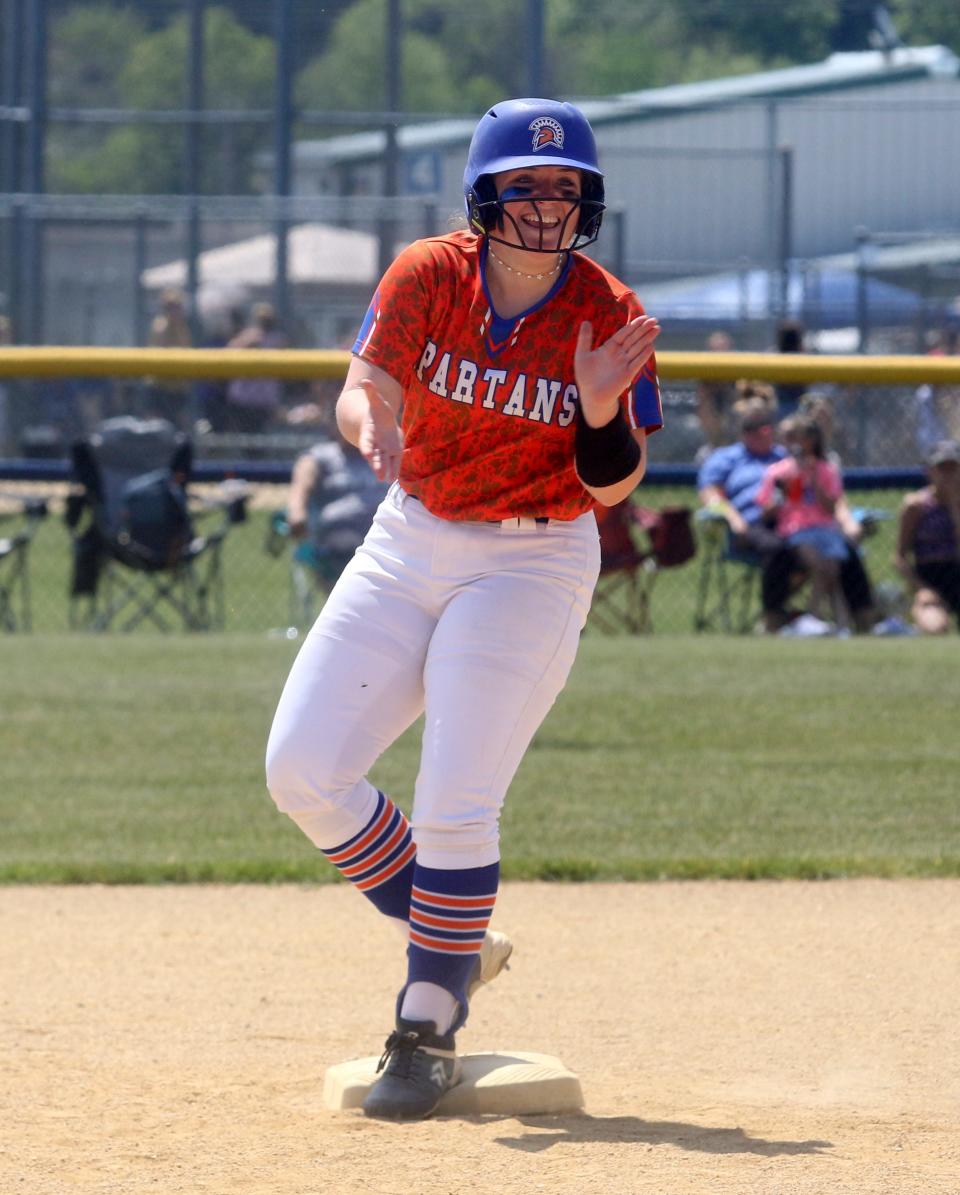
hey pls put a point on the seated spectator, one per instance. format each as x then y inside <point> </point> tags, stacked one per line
<point>802,492</point>
<point>819,408</point>
<point>333,497</point>
<point>728,482</point>
<point>928,542</point>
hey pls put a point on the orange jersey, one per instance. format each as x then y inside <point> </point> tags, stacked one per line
<point>489,405</point>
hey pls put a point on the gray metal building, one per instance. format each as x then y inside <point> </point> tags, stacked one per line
<point>710,176</point>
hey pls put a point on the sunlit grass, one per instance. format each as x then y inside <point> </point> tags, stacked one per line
<point>137,758</point>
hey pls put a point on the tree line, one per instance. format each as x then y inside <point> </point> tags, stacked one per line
<point>133,56</point>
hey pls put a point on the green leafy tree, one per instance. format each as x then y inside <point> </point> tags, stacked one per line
<point>784,31</point>
<point>808,30</point>
<point>928,22</point>
<point>86,45</point>
<point>630,45</point>
<point>312,20</point>
<point>454,60</point>
<point>149,71</point>
<point>239,73</point>
<point>486,55</point>
<point>350,74</point>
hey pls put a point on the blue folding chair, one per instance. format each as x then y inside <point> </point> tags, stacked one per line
<point>728,582</point>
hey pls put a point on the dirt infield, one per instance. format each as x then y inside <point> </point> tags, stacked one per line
<point>747,1038</point>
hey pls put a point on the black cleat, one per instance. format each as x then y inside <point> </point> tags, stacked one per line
<point>418,1066</point>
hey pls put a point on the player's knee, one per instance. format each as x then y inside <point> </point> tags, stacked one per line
<point>297,777</point>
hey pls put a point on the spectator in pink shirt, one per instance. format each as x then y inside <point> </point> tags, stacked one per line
<point>803,490</point>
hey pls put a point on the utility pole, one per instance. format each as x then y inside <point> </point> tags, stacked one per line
<point>391,156</point>
<point>283,121</point>
<point>11,90</point>
<point>11,95</point>
<point>192,158</point>
<point>32,331</point>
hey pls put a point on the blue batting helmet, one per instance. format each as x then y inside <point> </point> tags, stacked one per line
<point>532,132</point>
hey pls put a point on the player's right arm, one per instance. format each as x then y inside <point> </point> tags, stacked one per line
<point>388,345</point>
<point>368,414</point>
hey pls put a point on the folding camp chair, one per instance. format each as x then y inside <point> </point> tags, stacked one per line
<point>137,556</point>
<point>729,581</point>
<point>26,515</point>
<point>728,586</point>
<point>621,600</point>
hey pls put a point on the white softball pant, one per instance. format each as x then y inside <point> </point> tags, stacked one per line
<point>475,625</point>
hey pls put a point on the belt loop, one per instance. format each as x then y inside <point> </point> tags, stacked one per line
<point>521,525</point>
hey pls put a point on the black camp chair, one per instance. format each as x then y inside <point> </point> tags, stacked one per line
<point>22,516</point>
<point>137,554</point>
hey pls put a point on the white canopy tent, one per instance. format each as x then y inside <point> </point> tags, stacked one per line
<point>317,255</point>
<point>334,269</point>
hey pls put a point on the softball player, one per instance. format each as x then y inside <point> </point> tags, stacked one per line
<point>505,384</point>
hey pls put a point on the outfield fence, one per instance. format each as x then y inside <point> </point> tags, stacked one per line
<point>885,413</point>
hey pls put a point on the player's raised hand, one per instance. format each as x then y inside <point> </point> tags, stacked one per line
<point>604,372</point>
<point>381,440</point>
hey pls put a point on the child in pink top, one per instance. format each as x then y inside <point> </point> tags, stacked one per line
<point>803,490</point>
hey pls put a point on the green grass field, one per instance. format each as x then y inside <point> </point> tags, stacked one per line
<point>140,759</point>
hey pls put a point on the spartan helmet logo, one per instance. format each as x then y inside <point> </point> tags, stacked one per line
<point>547,133</point>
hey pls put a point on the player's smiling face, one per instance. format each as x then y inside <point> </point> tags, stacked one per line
<point>540,204</point>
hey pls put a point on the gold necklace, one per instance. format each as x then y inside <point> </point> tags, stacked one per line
<point>522,273</point>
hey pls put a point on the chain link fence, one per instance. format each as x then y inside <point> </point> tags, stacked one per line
<point>95,269</point>
<point>880,434</point>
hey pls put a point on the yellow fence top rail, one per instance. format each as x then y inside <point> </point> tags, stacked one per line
<point>300,364</point>
<point>71,361</point>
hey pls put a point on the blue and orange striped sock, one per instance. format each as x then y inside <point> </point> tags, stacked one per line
<point>449,914</point>
<point>379,861</point>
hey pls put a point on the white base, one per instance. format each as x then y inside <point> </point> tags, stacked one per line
<point>515,1084</point>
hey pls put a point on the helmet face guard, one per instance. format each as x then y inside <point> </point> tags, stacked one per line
<point>529,133</point>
